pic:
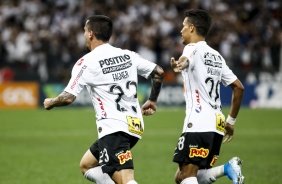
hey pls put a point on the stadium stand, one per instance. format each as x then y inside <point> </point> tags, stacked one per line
<point>41,39</point>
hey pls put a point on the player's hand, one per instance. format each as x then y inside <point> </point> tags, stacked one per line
<point>173,65</point>
<point>48,103</point>
<point>228,133</point>
<point>149,108</point>
<point>182,63</point>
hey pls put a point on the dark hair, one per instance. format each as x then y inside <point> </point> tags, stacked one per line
<point>101,26</point>
<point>200,19</point>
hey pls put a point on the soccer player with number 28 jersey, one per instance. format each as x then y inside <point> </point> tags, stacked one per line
<point>203,69</point>
<point>110,76</point>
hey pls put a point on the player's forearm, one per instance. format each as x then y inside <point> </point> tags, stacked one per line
<point>179,65</point>
<point>157,80</point>
<point>63,99</point>
<point>175,69</point>
<point>237,97</point>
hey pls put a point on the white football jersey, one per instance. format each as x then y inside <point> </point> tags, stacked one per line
<point>207,69</point>
<point>110,76</point>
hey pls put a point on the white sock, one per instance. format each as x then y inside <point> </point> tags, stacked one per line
<point>132,182</point>
<point>218,171</point>
<point>206,176</point>
<point>96,175</point>
<point>190,180</point>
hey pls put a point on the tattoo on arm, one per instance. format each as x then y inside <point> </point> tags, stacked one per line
<point>157,76</point>
<point>63,99</point>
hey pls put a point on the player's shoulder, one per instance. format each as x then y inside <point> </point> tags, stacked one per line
<point>189,49</point>
<point>190,46</point>
<point>117,51</point>
<point>86,61</point>
<point>83,59</point>
<point>130,52</point>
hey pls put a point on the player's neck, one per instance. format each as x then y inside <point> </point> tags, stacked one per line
<point>197,39</point>
<point>97,43</point>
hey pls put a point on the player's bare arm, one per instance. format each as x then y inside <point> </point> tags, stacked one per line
<point>179,65</point>
<point>157,77</point>
<point>237,95</point>
<point>150,106</point>
<point>63,99</point>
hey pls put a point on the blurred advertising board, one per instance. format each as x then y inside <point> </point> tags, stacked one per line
<point>261,91</point>
<point>23,95</point>
<point>267,90</point>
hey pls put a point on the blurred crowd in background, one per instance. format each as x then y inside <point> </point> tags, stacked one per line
<point>40,40</point>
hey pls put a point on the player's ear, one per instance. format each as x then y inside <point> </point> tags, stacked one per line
<point>91,34</point>
<point>192,27</point>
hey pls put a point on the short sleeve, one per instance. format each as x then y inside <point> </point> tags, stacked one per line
<point>228,76</point>
<point>188,52</point>
<point>78,76</point>
<point>144,66</point>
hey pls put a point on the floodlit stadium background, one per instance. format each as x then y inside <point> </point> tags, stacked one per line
<point>40,40</point>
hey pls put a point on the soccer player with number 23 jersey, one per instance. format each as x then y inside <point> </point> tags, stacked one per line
<point>110,76</point>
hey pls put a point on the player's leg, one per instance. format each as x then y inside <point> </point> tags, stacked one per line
<point>124,176</point>
<point>90,168</point>
<point>116,157</point>
<point>190,153</point>
<point>206,173</point>
<point>232,169</point>
<point>207,176</point>
<point>186,173</point>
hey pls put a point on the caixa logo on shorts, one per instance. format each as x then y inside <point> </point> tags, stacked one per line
<point>123,157</point>
<point>196,152</point>
<point>198,108</point>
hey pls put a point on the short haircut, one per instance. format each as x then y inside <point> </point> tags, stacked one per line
<point>200,19</point>
<point>101,25</point>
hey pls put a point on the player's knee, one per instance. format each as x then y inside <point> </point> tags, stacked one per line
<point>177,181</point>
<point>177,178</point>
<point>83,167</point>
<point>132,182</point>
